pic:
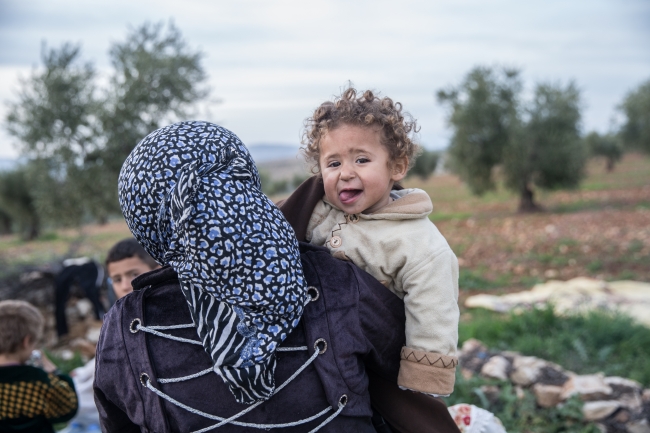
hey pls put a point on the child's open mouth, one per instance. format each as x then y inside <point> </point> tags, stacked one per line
<point>347,196</point>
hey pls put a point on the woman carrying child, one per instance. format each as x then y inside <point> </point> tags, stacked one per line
<point>290,332</point>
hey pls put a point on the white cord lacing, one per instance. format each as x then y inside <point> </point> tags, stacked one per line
<point>137,326</point>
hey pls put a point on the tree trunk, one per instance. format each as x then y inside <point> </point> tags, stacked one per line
<point>526,202</point>
<point>5,225</point>
<point>610,165</point>
<point>34,229</point>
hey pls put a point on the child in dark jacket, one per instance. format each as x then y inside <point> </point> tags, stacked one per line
<point>31,399</point>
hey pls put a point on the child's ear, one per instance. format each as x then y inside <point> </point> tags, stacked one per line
<point>27,342</point>
<point>399,169</point>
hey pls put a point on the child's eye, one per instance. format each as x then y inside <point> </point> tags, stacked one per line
<point>362,160</point>
<point>333,164</point>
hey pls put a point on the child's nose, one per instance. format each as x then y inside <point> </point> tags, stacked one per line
<point>347,172</point>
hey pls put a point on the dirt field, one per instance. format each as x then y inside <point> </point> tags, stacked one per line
<point>601,230</point>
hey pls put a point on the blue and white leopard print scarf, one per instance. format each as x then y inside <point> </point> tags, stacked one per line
<point>191,195</point>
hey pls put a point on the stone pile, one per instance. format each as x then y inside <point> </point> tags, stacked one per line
<point>616,404</point>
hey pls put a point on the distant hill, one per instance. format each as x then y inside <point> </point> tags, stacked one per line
<point>264,152</point>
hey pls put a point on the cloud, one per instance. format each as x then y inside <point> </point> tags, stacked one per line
<point>272,62</point>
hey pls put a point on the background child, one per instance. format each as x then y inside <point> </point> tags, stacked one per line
<point>31,398</point>
<point>125,261</point>
<point>361,147</point>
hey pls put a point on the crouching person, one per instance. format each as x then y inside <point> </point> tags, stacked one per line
<point>32,399</point>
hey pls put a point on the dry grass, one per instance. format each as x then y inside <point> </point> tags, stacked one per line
<point>600,230</point>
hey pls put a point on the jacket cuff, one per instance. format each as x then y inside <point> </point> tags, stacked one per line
<point>427,372</point>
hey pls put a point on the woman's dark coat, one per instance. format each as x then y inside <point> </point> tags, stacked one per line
<point>360,320</point>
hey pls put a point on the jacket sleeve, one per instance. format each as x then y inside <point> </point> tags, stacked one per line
<point>381,315</point>
<point>62,402</point>
<point>110,374</point>
<point>111,417</point>
<point>428,361</point>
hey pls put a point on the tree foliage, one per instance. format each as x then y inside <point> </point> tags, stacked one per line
<point>536,143</point>
<point>53,121</point>
<point>635,132</point>
<point>425,164</point>
<point>156,79</point>
<point>607,146</point>
<point>17,203</point>
<point>76,135</point>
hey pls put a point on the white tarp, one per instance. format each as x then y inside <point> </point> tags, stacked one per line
<point>576,295</point>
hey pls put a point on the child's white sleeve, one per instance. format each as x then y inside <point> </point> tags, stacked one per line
<point>430,284</point>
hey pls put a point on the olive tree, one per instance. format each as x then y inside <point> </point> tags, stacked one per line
<point>635,131</point>
<point>536,143</point>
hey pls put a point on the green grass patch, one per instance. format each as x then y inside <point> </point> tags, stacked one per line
<point>520,414</point>
<point>576,206</point>
<point>595,266</point>
<point>48,237</point>
<point>625,275</point>
<point>585,344</point>
<point>469,279</point>
<point>66,365</point>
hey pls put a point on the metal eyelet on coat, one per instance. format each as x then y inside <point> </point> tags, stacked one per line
<point>319,341</point>
<point>313,293</point>
<point>144,378</point>
<point>133,327</point>
<point>343,400</point>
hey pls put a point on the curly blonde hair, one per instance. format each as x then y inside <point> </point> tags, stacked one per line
<point>397,127</point>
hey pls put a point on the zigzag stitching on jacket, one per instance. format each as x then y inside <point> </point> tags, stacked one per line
<point>452,364</point>
<point>337,229</point>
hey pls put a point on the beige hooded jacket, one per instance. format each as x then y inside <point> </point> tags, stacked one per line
<point>400,247</point>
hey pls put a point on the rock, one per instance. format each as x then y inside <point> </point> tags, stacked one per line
<point>526,369</point>
<point>630,400</point>
<point>473,355</point>
<point>84,307</point>
<point>547,395</point>
<point>72,313</point>
<point>552,374</point>
<point>491,392</point>
<point>622,416</point>
<point>640,426</point>
<point>497,368</point>
<point>626,391</point>
<point>646,395</point>
<point>622,382</point>
<point>472,345</point>
<point>519,392</point>
<point>92,335</point>
<point>602,428</point>
<point>597,410</point>
<point>28,277</point>
<point>590,387</point>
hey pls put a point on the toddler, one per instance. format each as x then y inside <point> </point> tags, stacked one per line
<point>361,146</point>
<point>31,399</point>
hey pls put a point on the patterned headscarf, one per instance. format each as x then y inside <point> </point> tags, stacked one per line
<point>191,195</point>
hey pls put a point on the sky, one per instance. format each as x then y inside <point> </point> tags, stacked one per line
<point>270,63</point>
